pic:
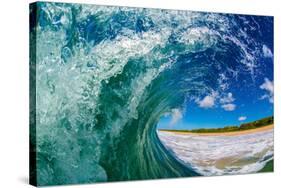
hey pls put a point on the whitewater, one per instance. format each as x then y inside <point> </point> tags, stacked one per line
<point>221,155</point>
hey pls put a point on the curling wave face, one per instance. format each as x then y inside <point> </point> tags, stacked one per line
<point>105,75</point>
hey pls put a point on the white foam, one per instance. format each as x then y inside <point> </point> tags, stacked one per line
<point>219,155</point>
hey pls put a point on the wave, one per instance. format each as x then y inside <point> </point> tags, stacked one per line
<point>105,75</point>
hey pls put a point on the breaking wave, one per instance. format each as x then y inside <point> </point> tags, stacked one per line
<point>105,75</point>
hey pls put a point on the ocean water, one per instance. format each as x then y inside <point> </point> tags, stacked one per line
<point>221,155</point>
<point>101,78</point>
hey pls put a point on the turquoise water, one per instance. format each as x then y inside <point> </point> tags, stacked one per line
<point>103,77</point>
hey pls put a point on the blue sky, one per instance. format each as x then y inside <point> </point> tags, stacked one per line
<point>246,100</point>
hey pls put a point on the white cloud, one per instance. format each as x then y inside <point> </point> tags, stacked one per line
<point>176,116</point>
<point>242,118</point>
<point>228,107</point>
<point>208,101</point>
<point>227,99</point>
<point>226,102</point>
<point>268,86</point>
<point>266,51</point>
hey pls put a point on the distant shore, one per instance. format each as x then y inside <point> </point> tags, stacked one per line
<point>233,133</point>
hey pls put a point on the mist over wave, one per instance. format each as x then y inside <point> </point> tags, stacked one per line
<point>105,75</point>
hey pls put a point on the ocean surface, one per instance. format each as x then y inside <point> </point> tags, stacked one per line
<point>221,155</point>
<point>103,77</point>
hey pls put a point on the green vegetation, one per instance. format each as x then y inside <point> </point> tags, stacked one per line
<point>269,167</point>
<point>245,126</point>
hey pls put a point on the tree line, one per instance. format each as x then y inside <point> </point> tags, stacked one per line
<point>245,126</point>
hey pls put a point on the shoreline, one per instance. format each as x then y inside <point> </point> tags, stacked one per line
<point>234,133</point>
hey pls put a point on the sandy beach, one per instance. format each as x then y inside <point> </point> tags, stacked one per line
<point>234,133</point>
